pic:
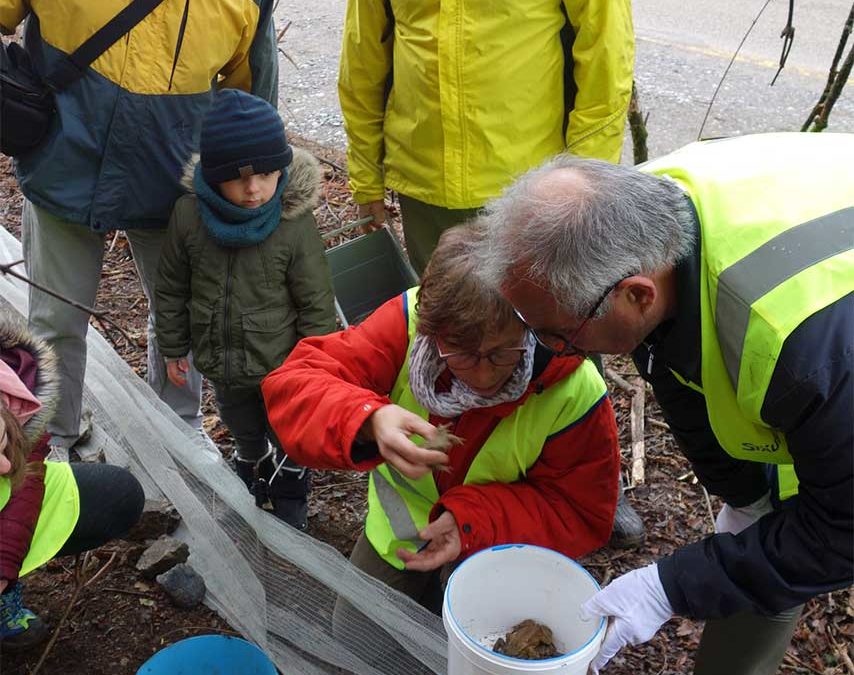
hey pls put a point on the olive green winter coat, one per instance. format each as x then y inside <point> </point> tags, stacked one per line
<point>242,310</point>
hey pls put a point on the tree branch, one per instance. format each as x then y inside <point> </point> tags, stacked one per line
<point>6,268</point>
<point>835,80</point>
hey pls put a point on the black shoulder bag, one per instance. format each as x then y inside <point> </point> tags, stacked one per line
<point>27,102</point>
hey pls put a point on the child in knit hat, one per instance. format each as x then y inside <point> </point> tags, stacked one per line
<point>242,277</point>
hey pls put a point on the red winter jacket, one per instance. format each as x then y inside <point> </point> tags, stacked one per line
<point>328,386</point>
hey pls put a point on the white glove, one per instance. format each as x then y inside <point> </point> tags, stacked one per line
<point>638,606</point>
<point>734,519</point>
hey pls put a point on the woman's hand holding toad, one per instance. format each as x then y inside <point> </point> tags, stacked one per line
<point>391,426</point>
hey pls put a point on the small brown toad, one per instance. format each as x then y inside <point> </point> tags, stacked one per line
<point>528,640</point>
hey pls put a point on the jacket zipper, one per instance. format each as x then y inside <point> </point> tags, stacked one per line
<point>226,314</point>
<point>180,42</point>
<point>650,350</point>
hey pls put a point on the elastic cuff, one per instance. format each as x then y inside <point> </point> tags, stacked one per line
<point>470,541</point>
<point>348,439</point>
<point>367,197</point>
<point>668,575</point>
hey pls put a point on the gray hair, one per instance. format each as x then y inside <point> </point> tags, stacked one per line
<point>615,223</point>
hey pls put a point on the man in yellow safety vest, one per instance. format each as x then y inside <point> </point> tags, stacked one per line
<point>726,269</point>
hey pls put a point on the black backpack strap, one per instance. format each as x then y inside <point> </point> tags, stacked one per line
<point>74,65</point>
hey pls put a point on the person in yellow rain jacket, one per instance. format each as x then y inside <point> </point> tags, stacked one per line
<point>115,154</point>
<point>447,103</point>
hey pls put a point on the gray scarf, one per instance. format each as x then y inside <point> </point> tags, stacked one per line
<point>425,367</point>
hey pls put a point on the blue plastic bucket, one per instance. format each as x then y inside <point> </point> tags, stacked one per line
<point>209,655</point>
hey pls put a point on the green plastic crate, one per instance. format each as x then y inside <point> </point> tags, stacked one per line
<point>367,271</point>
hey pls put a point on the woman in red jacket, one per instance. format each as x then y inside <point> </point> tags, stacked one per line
<point>538,457</point>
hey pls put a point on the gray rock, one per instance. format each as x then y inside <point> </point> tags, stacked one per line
<point>162,556</point>
<point>158,517</point>
<point>184,586</point>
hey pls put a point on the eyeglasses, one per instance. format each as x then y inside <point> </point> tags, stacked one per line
<point>561,345</point>
<point>505,356</point>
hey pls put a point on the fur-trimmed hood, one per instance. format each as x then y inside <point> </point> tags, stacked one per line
<point>302,192</point>
<point>14,333</point>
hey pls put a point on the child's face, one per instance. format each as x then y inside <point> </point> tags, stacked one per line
<point>253,191</point>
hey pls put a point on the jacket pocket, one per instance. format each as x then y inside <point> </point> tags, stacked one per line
<point>201,334</point>
<point>268,336</point>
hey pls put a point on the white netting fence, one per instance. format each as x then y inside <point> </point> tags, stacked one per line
<point>277,586</point>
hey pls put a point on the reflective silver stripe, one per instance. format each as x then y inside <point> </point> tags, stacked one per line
<point>776,261</point>
<point>405,484</point>
<point>395,509</point>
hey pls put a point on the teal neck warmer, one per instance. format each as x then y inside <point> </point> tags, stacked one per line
<point>234,226</point>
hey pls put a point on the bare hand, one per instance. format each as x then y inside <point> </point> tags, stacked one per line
<point>176,370</point>
<point>444,545</point>
<point>391,426</point>
<point>3,584</point>
<point>375,209</point>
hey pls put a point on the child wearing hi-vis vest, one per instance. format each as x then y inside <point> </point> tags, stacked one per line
<point>47,509</point>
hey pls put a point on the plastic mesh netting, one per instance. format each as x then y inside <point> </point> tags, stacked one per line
<point>298,598</point>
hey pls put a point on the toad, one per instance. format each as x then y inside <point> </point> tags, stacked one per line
<point>527,640</point>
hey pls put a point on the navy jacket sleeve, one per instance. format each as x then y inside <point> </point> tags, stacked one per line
<point>806,547</point>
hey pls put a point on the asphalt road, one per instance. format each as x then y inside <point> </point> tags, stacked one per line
<point>682,50</point>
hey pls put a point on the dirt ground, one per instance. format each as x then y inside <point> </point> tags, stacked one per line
<point>119,619</point>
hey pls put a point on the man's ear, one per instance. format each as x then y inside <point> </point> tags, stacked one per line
<point>639,291</point>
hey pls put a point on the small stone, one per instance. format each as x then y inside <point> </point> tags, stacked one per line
<point>158,517</point>
<point>184,586</point>
<point>162,556</point>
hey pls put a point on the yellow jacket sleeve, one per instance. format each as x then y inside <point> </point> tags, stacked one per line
<point>12,12</point>
<point>366,63</point>
<point>603,56</point>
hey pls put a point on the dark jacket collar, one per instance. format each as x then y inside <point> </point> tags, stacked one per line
<point>676,342</point>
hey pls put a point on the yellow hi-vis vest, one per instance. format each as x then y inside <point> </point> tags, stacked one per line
<point>776,216</point>
<point>59,512</point>
<point>398,507</point>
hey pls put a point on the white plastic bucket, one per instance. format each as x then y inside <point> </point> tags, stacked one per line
<point>491,592</point>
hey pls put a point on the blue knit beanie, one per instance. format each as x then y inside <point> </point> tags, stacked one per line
<point>241,135</point>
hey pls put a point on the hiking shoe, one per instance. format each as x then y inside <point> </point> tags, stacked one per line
<point>20,629</point>
<point>628,529</point>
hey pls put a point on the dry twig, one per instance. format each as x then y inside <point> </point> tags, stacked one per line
<point>636,422</point>
<point>726,71</point>
<point>636,417</point>
<point>6,268</point>
<point>80,565</point>
<point>803,664</point>
<point>623,384</point>
<point>836,80</point>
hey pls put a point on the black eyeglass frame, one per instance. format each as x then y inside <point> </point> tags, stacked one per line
<point>568,348</point>
<point>479,357</point>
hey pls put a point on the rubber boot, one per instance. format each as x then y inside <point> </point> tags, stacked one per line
<point>256,475</point>
<point>288,491</point>
<point>628,529</point>
<point>20,629</point>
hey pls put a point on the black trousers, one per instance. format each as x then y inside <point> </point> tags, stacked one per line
<point>111,501</point>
